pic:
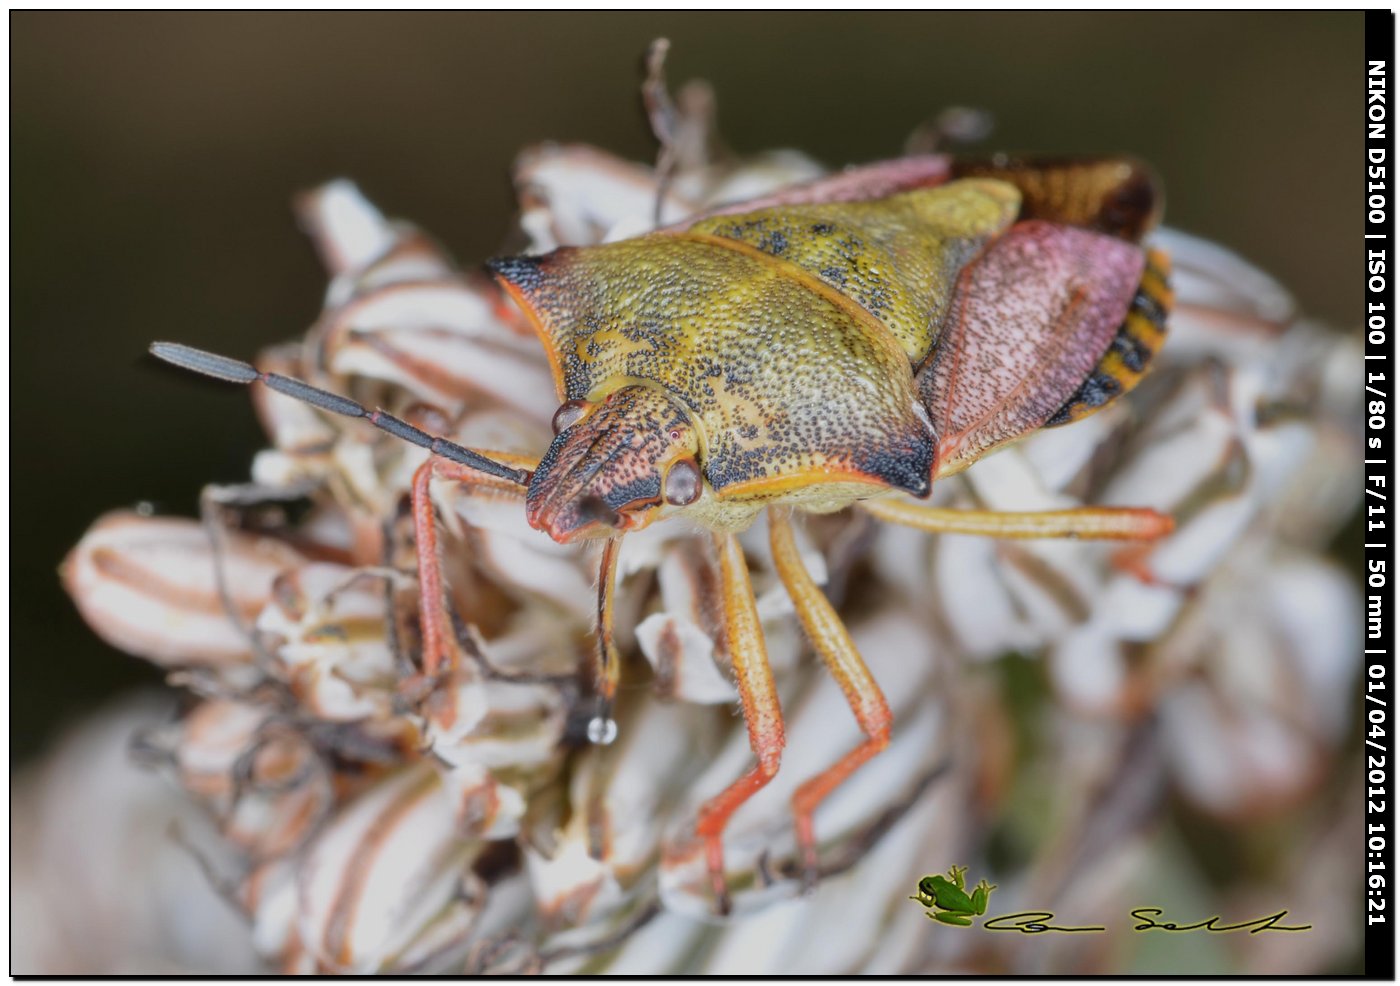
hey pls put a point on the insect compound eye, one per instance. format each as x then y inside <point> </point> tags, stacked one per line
<point>682,483</point>
<point>568,414</point>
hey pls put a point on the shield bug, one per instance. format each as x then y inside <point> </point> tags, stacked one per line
<point>841,344</point>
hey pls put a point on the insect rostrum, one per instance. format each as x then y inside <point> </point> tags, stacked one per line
<point>844,343</point>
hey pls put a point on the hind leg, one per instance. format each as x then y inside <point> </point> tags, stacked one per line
<point>833,644</point>
<point>1092,523</point>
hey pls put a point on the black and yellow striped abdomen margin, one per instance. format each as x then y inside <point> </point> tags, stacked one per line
<point>1138,339</point>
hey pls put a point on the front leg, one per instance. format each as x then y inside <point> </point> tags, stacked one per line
<point>762,713</point>
<point>607,665</point>
<point>435,628</point>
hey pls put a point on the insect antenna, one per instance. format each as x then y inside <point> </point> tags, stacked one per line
<point>237,371</point>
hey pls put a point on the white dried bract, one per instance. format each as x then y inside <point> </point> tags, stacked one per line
<point>372,820</point>
<point>149,586</point>
<point>100,873</point>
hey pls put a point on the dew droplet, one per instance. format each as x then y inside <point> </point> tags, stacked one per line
<point>602,730</point>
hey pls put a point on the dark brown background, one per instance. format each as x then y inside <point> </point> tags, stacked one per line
<point>153,157</point>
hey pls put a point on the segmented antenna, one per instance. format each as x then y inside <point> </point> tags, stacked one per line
<point>237,371</point>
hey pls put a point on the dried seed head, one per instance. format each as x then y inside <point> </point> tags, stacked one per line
<point>376,818</point>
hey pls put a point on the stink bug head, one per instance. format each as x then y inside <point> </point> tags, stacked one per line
<point>613,463</point>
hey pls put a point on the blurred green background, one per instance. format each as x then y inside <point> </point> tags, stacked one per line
<point>153,157</point>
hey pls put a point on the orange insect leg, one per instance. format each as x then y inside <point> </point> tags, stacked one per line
<point>762,713</point>
<point>432,609</point>
<point>833,644</point>
<point>1096,523</point>
<point>432,614</point>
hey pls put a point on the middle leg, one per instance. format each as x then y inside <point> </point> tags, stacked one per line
<point>762,713</point>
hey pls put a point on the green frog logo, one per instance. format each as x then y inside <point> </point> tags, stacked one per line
<point>947,899</point>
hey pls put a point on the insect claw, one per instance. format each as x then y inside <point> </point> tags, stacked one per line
<point>723,907</point>
<point>810,872</point>
<point>764,868</point>
<point>714,860</point>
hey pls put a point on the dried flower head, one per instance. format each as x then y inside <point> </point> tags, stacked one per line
<point>373,815</point>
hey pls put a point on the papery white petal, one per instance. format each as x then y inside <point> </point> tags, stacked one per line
<point>329,624</point>
<point>443,341</point>
<point>620,796</point>
<point>1086,666</point>
<point>1225,306</point>
<point>975,599</point>
<point>148,585</point>
<point>269,894</point>
<point>209,742</point>
<point>1137,611</point>
<point>1199,544</point>
<point>346,227</point>
<point>516,554</point>
<point>485,808</point>
<point>574,195</point>
<point>375,876</point>
<point>1316,608</point>
<point>683,657</point>
<point>1058,454</point>
<point>100,884</point>
<point>760,175</point>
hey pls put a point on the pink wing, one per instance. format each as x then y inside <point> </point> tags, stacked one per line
<point>1031,318</point>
